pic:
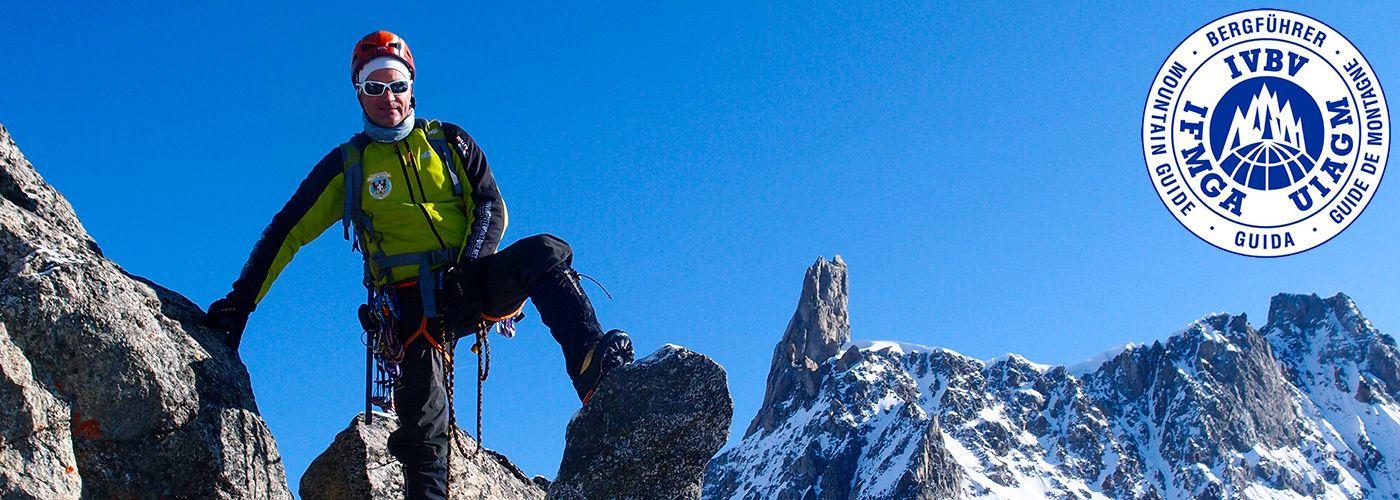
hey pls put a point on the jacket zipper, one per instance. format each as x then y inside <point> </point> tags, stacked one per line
<point>404,166</point>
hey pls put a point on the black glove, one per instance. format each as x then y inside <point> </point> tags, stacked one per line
<point>229,316</point>
<point>461,297</point>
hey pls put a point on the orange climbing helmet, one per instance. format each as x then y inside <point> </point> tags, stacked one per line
<point>377,44</point>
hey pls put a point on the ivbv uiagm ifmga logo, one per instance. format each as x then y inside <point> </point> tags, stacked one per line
<point>1266,133</point>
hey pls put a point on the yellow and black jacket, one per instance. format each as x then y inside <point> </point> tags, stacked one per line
<point>409,208</point>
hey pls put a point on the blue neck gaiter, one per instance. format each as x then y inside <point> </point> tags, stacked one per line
<point>388,134</point>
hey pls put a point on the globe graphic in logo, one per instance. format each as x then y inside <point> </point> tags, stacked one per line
<point>1267,133</point>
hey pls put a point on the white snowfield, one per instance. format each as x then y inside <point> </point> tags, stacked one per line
<point>1296,410</point>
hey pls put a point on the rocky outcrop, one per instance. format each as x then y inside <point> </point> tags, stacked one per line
<point>115,389</point>
<point>648,431</point>
<point>1349,340</point>
<point>816,332</point>
<point>1208,394</point>
<point>36,449</point>
<point>932,472</point>
<point>357,466</point>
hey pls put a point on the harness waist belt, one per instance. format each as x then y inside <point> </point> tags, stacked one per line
<point>427,279</point>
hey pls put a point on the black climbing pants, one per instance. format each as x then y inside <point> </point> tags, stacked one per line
<point>537,268</point>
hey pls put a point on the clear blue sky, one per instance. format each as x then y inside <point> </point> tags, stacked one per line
<point>977,165</point>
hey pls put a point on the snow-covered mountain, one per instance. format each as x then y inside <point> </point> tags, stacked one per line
<point>1304,407</point>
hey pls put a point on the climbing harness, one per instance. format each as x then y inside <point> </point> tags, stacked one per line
<point>385,353</point>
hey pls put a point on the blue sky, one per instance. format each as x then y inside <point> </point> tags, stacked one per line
<point>978,166</point>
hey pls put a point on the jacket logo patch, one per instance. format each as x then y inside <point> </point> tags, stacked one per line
<point>379,185</point>
<point>462,145</point>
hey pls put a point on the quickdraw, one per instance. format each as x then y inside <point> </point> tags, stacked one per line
<point>385,353</point>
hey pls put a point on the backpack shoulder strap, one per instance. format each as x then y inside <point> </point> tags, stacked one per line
<point>351,154</point>
<point>437,138</point>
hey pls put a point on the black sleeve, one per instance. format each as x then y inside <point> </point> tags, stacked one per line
<point>488,208</point>
<point>317,204</point>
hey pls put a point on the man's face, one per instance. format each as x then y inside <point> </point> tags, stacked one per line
<point>387,109</point>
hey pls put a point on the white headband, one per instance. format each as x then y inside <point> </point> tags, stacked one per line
<point>383,62</point>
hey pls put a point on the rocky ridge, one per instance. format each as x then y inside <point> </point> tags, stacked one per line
<point>357,465</point>
<point>1304,407</point>
<point>647,433</point>
<point>113,388</point>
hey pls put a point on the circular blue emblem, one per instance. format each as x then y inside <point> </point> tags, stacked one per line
<point>379,185</point>
<point>1266,133</point>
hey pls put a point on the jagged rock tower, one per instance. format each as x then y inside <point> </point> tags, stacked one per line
<point>816,436</point>
<point>817,330</point>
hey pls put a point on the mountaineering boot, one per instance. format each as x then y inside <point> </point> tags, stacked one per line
<point>425,481</point>
<point>566,310</point>
<point>613,351</point>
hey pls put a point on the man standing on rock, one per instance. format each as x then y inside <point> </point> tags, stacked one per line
<point>427,215</point>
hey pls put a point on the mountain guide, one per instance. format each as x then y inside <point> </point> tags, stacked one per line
<point>423,208</point>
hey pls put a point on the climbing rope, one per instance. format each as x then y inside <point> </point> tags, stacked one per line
<point>482,348</point>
